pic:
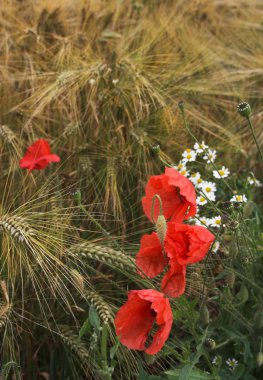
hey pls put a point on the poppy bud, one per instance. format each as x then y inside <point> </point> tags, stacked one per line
<point>181,105</point>
<point>156,148</point>
<point>242,295</point>
<point>77,197</point>
<point>204,315</point>
<point>211,343</point>
<point>230,279</point>
<point>260,359</point>
<point>244,109</point>
<point>161,228</point>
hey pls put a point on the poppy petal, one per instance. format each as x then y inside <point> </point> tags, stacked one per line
<point>173,283</point>
<point>150,258</point>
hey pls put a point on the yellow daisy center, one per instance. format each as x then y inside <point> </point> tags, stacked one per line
<point>199,180</point>
<point>208,189</point>
<point>218,221</point>
<point>202,199</point>
<point>239,197</point>
<point>221,172</point>
<point>188,150</point>
<point>189,156</point>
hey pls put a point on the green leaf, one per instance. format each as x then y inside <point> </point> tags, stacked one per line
<point>187,369</point>
<point>94,318</point>
<point>114,349</point>
<point>85,328</point>
<point>238,371</point>
<point>195,374</point>
<point>144,375</point>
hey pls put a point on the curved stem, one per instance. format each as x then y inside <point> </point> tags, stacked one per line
<point>156,196</point>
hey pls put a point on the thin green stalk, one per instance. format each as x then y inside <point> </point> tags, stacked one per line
<point>255,138</point>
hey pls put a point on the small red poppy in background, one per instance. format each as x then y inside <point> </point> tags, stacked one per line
<point>135,320</point>
<point>185,244</point>
<point>152,261</point>
<point>176,192</point>
<point>38,156</point>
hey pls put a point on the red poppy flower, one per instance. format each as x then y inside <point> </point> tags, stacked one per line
<point>136,318</point>
<point>177,194</point>
<point>173,283</point>
<point>150,258</point>
<point>185,244</point>
<point>38,156</point>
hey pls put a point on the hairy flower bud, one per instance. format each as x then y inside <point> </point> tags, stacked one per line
<point>161,228</point>
<point>244,109</point>
<point>77,197</point>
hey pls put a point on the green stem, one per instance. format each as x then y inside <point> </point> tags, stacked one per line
<point>104,338</point>
<point>255,138</point>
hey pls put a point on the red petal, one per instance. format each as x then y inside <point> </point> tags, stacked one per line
<point>150,258</point>
<point>164,318</point>
<point>133,322</point>
<point>187,244</point>
<point>173,283</point>
<point>187,192</point>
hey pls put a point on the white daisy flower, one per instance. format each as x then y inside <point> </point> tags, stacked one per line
<point>184,171</point>
<point>203,221</point>
<point>201,200</point>
<point>216,246</point>
<point>254,181</point>
<point>215,360</point>
<point>199,182</point>
<point>199,148</point>
<point>92,81</point>
<point>221,173</point>
<point>189,155</point>
<point>239,198</point>
<point>194,177</point>
<point>210,156</point>
<point>232,363</point>
<point>115,81</point>
<point>209,189</point>
<point>216,221</point>
<point>180,166</point>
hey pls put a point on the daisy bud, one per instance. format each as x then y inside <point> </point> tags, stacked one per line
<point>161,228</point>
<point>227,205</point>
<point>260,359</point>
<point>244,109</point>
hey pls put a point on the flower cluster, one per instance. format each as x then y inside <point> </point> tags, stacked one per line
<point>170,200</point>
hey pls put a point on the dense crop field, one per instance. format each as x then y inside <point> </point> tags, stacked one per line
<point>131,239</point>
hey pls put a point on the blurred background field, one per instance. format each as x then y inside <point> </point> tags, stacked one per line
<point>101,80</point>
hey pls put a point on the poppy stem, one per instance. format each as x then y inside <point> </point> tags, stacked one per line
<point>255,137</point>
<point>156,196</point>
